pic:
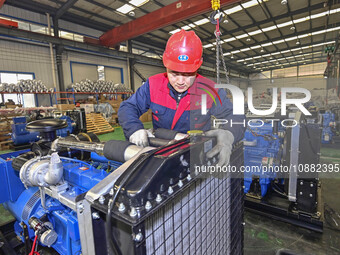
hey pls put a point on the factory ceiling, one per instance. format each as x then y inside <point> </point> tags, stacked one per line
<point>257,35</point>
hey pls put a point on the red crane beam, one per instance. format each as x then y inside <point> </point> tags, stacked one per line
<point>165,16</point>
<point>2,3</point>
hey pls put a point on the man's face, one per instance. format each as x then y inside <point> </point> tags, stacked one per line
<point>181,82</point>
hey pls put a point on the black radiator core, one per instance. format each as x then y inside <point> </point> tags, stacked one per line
<point>206,218</point>
<point>203,214</point>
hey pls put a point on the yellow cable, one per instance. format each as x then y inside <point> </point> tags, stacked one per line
<point>215,4</point>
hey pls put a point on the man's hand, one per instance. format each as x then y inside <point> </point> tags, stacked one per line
<point>140,137</point>
<point>223,147</point>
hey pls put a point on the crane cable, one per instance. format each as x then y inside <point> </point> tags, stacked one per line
<point>216,17</point>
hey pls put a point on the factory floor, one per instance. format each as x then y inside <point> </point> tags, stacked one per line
<point>264,236</point>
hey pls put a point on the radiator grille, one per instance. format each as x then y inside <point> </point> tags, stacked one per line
<point>28,207</point>
<point>206,218</point>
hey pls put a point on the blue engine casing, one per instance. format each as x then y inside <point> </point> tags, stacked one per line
<point>69,129</point>
<point>20,135</point>
<point>265,148</point>
<point>327,127</point>
<point>26,203</point>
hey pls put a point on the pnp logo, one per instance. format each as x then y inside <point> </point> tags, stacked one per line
<point>238,100</point>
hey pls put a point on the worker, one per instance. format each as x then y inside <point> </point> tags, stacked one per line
<point>175,100</point>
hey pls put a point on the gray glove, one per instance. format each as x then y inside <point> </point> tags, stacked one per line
<point>140,137</point>
<point>223,147</point>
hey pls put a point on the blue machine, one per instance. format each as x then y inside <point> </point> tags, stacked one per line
<point>25,204</point>
<point>327,127</point>
<point>69,129</point>
<point>20,135</point>
<point>261,148</point>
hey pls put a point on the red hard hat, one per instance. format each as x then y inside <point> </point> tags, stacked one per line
<point>183,52</point>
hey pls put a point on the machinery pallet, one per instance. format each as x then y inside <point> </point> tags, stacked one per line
<point>96,124</point>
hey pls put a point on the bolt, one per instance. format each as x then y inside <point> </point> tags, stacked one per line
<point>95,216</point>
<point>111,192</point>
<point>101,200</point>
<point>170,190</point>
<point>300,193</point>
<point>311,185</point>
<point>139,237</point>
<point>133,212</point>
<point>243,223</point>
<point>311,195</point>
<point>121,208</point>
<point>189,177</point>
<point>180,183</point>
<point>301,183</point>
<point>158,198</point>
<point>148,205</point>
<point>80,208</point>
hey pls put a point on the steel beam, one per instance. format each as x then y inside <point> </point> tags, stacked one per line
<point>64,8</point>
<point>2,3</point>
<point>170,14</point>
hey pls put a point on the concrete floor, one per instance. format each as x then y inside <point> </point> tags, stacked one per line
<point>264,236</point>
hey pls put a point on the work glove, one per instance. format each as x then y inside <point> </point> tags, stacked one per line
<point>140,137</point>
<point>223,147</point>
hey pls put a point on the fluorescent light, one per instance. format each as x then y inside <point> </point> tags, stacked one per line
<point>138,2</point>
<point>229,39</point>
<point>249,4</point>
<point>256,32</point>
<point>266,44</point>
<point>279,41</point>
<point>233,10</point>
<point>208,45</point>
<point>187,27</point>
<point>245,49</point>
<point>235,51</point>
<point>255,47</point>
<point>302,19</point>
<point>240,60</point>
<point>125,8</point>
<point>201,21</point>
<point>175,31</point>
<point>285,24</point>
<point>241,36</point>
<point>266,29</point>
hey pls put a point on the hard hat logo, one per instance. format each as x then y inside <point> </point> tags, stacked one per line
<point>183,58</point>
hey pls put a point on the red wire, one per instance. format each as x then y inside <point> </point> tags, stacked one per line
<point>34,243</point>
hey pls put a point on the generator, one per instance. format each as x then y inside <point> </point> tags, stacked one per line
<point>276,186</point>
<point>262,147</point>
<point>328,127</point>
<point>147,201</point>
<point>75,119</point>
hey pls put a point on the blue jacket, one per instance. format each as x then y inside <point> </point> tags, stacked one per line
<point>184,114</point>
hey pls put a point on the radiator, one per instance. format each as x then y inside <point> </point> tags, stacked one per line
<point>204,216</point>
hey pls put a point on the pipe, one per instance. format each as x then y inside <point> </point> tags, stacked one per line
<point>77,145</point>
<point>51,52</point>
<point>112,150</point>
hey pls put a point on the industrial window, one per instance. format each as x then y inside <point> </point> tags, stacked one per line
<point>312,69</point>
<point>27,100</point>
